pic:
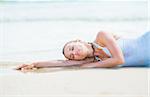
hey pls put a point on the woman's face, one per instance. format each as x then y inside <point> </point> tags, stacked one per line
<point>76,50</point>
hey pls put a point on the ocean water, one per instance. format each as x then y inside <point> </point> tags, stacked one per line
<point>33,31</point>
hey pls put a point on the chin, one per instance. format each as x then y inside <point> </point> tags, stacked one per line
<point>80,58</point>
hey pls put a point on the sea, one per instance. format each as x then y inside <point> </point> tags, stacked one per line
<point>34,30</point>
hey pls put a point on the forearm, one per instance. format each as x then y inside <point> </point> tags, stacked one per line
<point>45,64</point>
<point>108,63</point>
<point>60,63</point>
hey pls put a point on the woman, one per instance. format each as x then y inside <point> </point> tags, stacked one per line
<point>106,51</point>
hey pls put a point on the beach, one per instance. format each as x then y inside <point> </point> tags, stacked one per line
<point>76,82</point>
<point>36,31</point>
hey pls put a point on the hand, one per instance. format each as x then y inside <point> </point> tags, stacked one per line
<point>26,67</point>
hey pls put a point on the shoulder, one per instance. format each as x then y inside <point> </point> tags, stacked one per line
<point>102,36</point>
<point>101,33</point>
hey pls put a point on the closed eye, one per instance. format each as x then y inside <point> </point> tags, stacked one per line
<point>71,48</point>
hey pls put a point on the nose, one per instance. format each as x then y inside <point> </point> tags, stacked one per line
<point>75,53</point>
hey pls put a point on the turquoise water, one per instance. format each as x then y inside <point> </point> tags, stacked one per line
<point>32,31</point>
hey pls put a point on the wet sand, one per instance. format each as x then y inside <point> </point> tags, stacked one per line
<point>68,82</point>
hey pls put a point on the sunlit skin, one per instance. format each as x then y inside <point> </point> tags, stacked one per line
<point>81,54</point>
<point>78,50</point>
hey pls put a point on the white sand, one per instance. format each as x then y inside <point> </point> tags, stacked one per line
<point>70,82</point>
<point>34,41</point>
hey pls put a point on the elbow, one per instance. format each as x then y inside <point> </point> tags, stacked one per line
<point>120,61</point>
<point>116,63</point>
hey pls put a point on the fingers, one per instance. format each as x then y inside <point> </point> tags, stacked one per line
<point>21,66</point>
<point>26,68</point>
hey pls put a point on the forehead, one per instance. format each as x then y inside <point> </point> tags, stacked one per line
<point>67,48</point>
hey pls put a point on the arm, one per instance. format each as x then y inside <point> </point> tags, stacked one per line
<point>60,63</point>
<point>53,63</point>
<point>108,63</point>
<point>107,40</point>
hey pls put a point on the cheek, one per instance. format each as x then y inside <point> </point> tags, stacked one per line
<point>83,53</point>
<point>83,49</point>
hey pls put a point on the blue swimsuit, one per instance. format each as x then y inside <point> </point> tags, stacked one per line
<point>136,51</point>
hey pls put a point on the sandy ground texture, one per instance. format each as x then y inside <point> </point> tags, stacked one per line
<point>74,82</point>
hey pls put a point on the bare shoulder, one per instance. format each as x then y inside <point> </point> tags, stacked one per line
<point>101,37</point>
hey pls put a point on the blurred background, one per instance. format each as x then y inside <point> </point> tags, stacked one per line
<point>33,30</point>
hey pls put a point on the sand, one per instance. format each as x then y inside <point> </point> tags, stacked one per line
<point>71,82</point>
<point>29,33</point>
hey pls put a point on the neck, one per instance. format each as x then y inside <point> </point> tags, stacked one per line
<point>90,50</point>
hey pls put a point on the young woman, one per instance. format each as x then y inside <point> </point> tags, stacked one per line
<point>106,51</point>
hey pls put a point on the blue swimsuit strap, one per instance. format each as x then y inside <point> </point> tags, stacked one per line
<point>97,46</point>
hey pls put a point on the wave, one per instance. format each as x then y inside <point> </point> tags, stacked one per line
<point>73,10</point>
<point>76,19</point>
